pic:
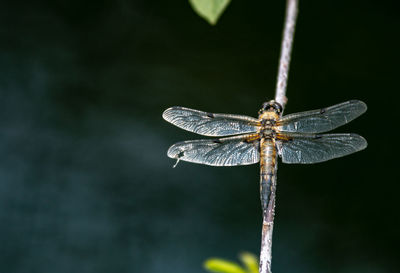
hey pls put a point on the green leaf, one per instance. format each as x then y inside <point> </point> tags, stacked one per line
<point>250,261</point>
<point>222,266</point>
<point>210,10</point>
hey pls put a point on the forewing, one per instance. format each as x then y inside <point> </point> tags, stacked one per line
<point>229,151</point>
<point>322,120</point>
<point>307,149</point>
<point>209,124</point>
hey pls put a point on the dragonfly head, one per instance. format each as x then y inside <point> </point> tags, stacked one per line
<point>271,106</point>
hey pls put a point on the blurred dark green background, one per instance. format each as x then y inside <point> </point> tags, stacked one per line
<point>85,184</point>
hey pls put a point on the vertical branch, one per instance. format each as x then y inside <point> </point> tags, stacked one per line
<point>280,97</point>
<point>286,49</point>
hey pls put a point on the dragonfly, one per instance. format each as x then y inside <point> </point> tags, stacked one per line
<point>298,138</point>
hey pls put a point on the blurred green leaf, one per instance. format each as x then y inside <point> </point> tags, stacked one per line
<point>210,10</point>
<point>250,261</point>
<point>223,266</point>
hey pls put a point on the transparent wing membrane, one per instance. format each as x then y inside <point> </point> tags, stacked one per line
<point>297,136</point>
<point>209,124</point>
<point>314,148</point>
<point>322,120</point>
<point>229,151</point>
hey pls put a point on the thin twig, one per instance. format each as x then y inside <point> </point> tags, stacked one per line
<point>286,49</point>
<point>280,96</point>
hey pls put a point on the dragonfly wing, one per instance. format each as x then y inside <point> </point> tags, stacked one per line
<point>314,148</point>
<point>322,120</point>
<point>229,151</point>
<point>209,124</point>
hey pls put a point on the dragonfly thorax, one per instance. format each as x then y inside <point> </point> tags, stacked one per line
<point>267,132</point>
<point>268,123</point>
<point>268,117</point>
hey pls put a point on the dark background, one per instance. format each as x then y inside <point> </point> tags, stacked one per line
<point>85,184</point>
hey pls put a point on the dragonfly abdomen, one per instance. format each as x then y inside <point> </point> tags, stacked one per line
<point>268,157</point>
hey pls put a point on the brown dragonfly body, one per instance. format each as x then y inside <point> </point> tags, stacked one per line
<point>296,138</point>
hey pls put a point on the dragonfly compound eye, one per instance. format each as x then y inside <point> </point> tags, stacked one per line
<point>278,107</point>
<point>272,105</point>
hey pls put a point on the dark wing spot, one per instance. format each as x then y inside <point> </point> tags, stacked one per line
<point>217,141</point>
<point>323,110</point>
<point>181,154</point>
<point>210,115</point>
<point>317,136</point>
